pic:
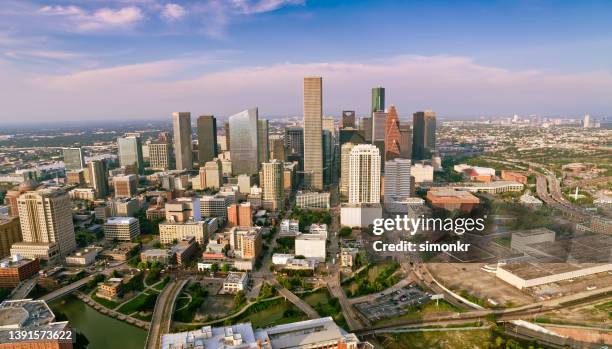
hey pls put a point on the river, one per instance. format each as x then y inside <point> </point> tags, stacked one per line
<point>103,332</point>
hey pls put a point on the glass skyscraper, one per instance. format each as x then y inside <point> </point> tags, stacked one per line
<point>130,153</point>
<point>244,142</point>
<point>378,99</point>
<point>423,134</point>
<point>73,159</point>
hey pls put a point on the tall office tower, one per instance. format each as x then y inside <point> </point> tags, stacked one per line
<point>277,147</point>
<point>130,153</point>
<point>397,180</point>
<point>272,185</point>
<point>365,126</point>
<point>329,124</point>
<point>243,144</point>
<point>73,159</point>
<point>46,218</point>
<point>345,154</point>
<point>294,141</point>
<point>405,142</point>
<point>364,174</point>
<point>214,176</point>
<point>379,123</point>
<point>226,128</point>
<point>423,134</point>
<point>125,186</point>
<point>328,156</point>
<point>348,118</point>
<point>586,123</point>
<point>10,233</point>
<point>159,155</point>
<point>313,147</point>
<point>240,214</point>
<point>207,138</point>
<point>392,135</point>
<point>97,177</point>
<point>378,99</point>
<point>263,144</point>
<point>181,124</point>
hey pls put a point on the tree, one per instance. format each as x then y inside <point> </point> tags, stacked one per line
<point>345,231</point>
<point>239,299</point>
<point>214,268</point>
<point>225,268</point>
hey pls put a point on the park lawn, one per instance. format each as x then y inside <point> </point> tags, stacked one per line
<point>181,302</point>
<point>135,304</point>
<point>320,301</point>
<point>474,339</point>
<point>372,275</point>
<point>273,315</point>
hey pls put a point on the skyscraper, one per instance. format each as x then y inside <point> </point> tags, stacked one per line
<point>159,155</point>
<point>423,134</point>
<point>277,147</point>
<point>46,217</point>
<point>364,174</point>
<point>130,153</point>
<point>328,156</point>
<point>313,147</point>
<point>345,154</point>
<point>213,173</point>
<point>263,144</point>
<point>272,185</point>
<point>348,118</point>
<point>181,124</point>
<point>397,180</point>
<point>378,99</point>
<point>392,135</point>
<point>294,141</point>
<point>98,178</point>
<point>243,144</point>
<point>405,141</point>
<point>365,126</point>
<point>586,123</point>
<point>73,159</point>
<point>207,138</point>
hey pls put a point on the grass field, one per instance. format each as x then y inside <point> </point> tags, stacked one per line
<point>430,308</point>
<point>278,312</point>
<point>475,339</point>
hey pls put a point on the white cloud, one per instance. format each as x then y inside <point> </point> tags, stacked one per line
<point>261,6</point>
<point>452,86</point>
<point>102,18</point>
<point>173,12</point>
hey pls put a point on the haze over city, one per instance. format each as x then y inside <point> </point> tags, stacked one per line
<point>142,59</point>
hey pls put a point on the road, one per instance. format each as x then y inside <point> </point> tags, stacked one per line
<point>162,314</point>
<point>23,289</point>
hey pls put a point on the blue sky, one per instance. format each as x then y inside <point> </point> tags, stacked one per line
<point>146,58</point>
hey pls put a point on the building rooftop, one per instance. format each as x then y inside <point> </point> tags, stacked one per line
<point>121,220</point>
<point>234,277</point>
<point>24,313</point>
<point>239,336</point>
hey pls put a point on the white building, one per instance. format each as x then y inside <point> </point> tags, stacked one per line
<point>170,231</point>
<point>311,246</point>
<point>85,256</point>
<point>235,282</point>
<point>312,200</point>
<point>121,228</point>
<point>281,258</point>
<point>289,227</point>
<point>422,173</point>
<point>320,229</point>
<point>359,215</point>
<point>364,174</point>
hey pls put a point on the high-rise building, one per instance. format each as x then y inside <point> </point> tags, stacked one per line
<point>214,176</point>
<point>313,148</point>
<point>378,99</point>
<point>423,134</point>
<point>240,214</point>
<point>364,174</point>
<point>181,124</point>
<point>586,123</point>
<point>97,177</point>
<point>379,123</point>
<point>263,144</point>
<point>73,159</point>
<point>245,242</point>
<point>125,186</point>
<point>272,184</point>
<point>348,118</point>
<point>121,228</point>
<point>345,154</point>
<point>244,142</point>
<point>130,153</point>
<point>328,156</point>
<point>365,126</point>
<point>329,124</point>
<point>207,138</point>
<point>397,180</point>
<point>294,141</point>
<point>46,218</point>
<point>405,141</point>
<point>159,155</point>
<point>277,147</point>
<point>226,128</point>
<point>10,233</point>
<point>392,135</point>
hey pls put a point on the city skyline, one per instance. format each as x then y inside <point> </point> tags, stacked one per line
<point>499,63</point>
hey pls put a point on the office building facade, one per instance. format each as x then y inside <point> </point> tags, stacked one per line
<point>364,174</point>
<point>244,142</point>
<point>181,125</point>
<point>313,147</point>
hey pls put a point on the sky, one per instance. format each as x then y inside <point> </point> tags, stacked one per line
<point>64,60</point>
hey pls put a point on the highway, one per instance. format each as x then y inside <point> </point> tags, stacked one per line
<point>162,314</point>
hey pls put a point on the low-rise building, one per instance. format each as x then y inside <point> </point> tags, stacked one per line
<point>347,256</point>
<point>121,228</point>
<point>514,176</point>
<point>452,199</point>
<point>121,252</point>
<point>289,227</point>
<point>530,201</point>
<point>171,231</point>
<point>311,246</point>
<point>85,194</point>
<point>359,215</point>
<point>162,256</point>
<point>84,256</point>
<point>185,250</point>
<point>235,282</point>
<point>15,269</point>
<point>31,250</point>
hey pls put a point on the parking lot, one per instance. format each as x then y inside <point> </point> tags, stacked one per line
<point>393,304</point>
